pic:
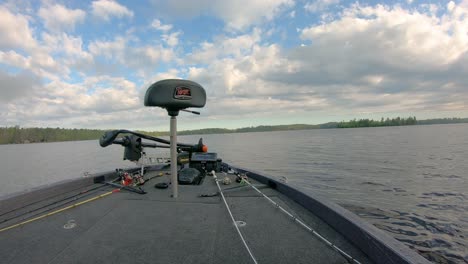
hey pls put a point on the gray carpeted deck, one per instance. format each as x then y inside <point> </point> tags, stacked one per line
<point>126,227</point>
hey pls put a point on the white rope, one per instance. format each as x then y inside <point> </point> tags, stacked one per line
<point>233,220</point>
<point>304,225</point>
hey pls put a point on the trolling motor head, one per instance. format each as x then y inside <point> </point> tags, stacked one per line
<point>108,138</point>
<point>175,95</point>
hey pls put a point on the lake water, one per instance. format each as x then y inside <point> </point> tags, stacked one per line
<point>410,181</point>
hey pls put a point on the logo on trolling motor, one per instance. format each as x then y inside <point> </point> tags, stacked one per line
<point>182,93</point>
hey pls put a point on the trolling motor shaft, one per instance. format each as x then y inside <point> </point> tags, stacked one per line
<point>173,137</point>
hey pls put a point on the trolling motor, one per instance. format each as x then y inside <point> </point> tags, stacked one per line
<point>134,145</point>
<point>176,95</point>
<point>173,95</point>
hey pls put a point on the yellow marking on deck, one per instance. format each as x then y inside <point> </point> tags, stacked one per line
<point>59,210</point>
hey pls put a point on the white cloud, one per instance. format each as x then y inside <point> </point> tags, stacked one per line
<point>223,46</point>
<point>70,46</point>
<point>171,39</point>
<point>23,51</point>
<point>386,50</point>
<point>236,67</point>
<point>15,31</point>
<point>408,39</point>
<point>364,59</point>
<point>125,54</point>
<point>320,5</point>
<point>371,59</point>
<point>105,9</point>
<point>159,26</point>
<point>39,62</point>
<point>109,49</point>
<point>57,17</point>
<point>238,15</point>
<point>59,103</point>
<point>14,59</point>
<point>450,6</point>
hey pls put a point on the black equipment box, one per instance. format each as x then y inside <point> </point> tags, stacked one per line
<point>189,176</point>
<point>205,161</point>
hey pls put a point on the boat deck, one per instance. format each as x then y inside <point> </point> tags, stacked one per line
<point>126,227</point>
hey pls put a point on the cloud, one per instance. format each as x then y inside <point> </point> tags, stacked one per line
<point>156,24</point>
<point>16,86</point>
<point>240,79</point>
<point>108,49</point>
<point>377,59</point>
<point>67,45</point>
<point>140,59</point>
<point>370,52</point>
<point>320,5</point>
<point>105,9</point>
<point>57,17</point>
<point>238,15</point>
<point>171,39</point>
<point>14,59</point>
<point>223,46</point>
<point>15,31</point>
<point>23,50</point>
<point>59,103</point>
<point>405,40</point>
<point>39,62</point>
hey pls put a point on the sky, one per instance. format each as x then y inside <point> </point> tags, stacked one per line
<point>87,64</point>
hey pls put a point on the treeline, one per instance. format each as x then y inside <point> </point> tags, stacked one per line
<point>15,135</point>
<point>453,120</point>
<point>248,129</point>
<point>18,135</point>
<point>376,123</point>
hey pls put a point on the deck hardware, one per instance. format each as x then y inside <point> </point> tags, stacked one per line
<point>240,223</point>
<point>70,224</point>
<point>161,185</point>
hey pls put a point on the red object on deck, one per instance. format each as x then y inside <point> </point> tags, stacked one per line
<point>127,179</point>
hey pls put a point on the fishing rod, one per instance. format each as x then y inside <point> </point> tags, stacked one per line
<point>59,210</point>
<point>83,194</point>
<point>38,201</point>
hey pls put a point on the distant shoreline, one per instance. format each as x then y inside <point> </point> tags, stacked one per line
<point>18,135</point>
